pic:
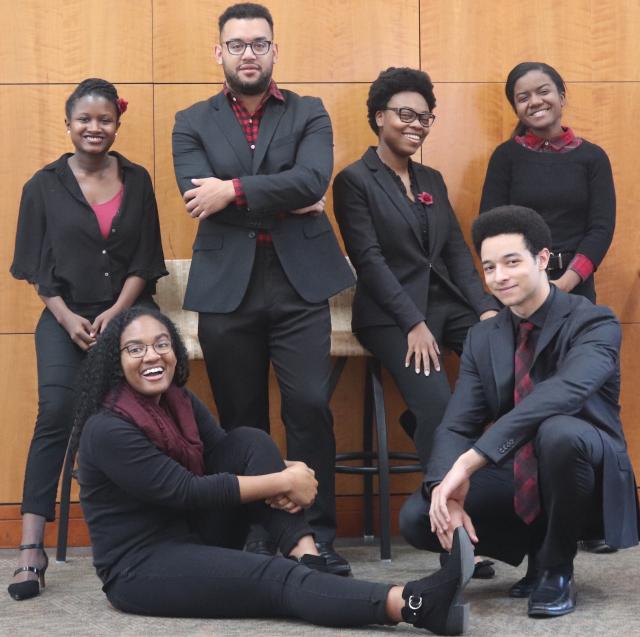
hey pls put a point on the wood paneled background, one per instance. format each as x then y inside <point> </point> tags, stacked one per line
<point>160,55</point>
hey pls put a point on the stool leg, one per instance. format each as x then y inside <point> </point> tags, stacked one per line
<point>383,460</point>
<point>65,501</point>
<point>367,447</point>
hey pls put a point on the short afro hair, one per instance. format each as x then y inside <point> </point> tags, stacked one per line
<point>512,220</point>
<point>397,80</point>
<point>245,11</point>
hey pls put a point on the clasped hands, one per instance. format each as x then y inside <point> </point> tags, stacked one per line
<point>302,491</point>
<point>211,195</point>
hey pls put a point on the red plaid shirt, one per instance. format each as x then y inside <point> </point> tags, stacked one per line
<point>580,264</point>
<point>250,124</point>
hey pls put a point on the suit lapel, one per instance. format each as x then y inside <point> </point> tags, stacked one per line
<point>227,123</point>
<point>391,190</point>
<point>272,114</point>
<point>425,185</point>
<point>558,312</point>
<point>502,349</point>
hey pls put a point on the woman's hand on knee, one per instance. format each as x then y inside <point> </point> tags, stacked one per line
<point>283,503</point>
<point>423,348</point>
<point>303,485</point>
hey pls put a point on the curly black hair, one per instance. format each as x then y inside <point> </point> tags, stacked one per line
<point>512,220</point>
<point>101,371</point>
<point>93,86</point>
<point>397,80</point>
<point>245,11</point>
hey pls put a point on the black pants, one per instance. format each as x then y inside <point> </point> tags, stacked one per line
<point>570,456</point>
<point>585,288</point>
<point>58,360</point>
<point>274,324</point>
<point>190,577</point>
<point>426,396</point>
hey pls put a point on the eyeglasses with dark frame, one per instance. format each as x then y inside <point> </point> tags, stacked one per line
<point>408,115</point>
<point>139,350</point>
<point>238,47</point>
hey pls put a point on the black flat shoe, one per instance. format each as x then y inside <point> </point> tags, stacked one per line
<point>336,564</point>
<point>481,570</point>
<point>553,596</point>
<point>261,547</point>
<point>314,562</point>
<point>436,602</point>
<point>524,586</point>
<point>599,547</point>
<point>31,588</point>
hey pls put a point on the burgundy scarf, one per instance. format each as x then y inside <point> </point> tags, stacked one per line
<point>170,425</point>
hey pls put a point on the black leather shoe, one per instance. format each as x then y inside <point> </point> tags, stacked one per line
<point>553,595</point>
<point>524,586</point>
<point>261,547</point>
<point>481,570</point>
<point>436,602</point>
<point>597,546</point>
<point>336,564</point>
<point>314,562</point>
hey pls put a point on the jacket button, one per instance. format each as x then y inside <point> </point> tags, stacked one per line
<point>106,274</point>
<point>252,235</point>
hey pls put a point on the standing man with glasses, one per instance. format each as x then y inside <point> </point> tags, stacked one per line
<point>253,164</point>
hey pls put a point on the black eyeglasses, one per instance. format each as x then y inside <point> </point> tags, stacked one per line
<point>408,115</point>
<point>238,47</point>
<point>139,350</point>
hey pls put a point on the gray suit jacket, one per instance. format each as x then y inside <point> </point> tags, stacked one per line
<point>290,168</point>
<point>576,372</point>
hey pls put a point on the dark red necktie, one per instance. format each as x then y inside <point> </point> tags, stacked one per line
<point>526,499</point>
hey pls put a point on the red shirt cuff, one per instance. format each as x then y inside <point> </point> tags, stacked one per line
<point>582,266</point>
<point>241,200</point>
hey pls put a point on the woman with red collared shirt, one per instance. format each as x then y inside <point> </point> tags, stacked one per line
<point>565,178</point>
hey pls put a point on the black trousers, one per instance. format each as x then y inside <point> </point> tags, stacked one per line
<point>58,361</point>
<point>274,324</point>
<point>203,575</point>
<point>585,288</point>
<point>570,456</point>
<point>426,396</point>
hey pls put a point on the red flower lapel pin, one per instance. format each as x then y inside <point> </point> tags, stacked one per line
<point>425,198</point>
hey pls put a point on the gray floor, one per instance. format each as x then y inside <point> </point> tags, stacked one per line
<point>73,605</point>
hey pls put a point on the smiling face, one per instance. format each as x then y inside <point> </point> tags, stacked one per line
<point>93,124</point>
<point>538,104</point>
<point>394,135</point>
<point>248,73</point>
<point>152,374</point>
<point>516,277</point>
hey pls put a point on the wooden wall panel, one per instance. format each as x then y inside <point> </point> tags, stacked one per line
<point>67,41</point>
<point>28,148</point>
<point>319,41</point>
<point>352,135</point>
<point>468,41</point>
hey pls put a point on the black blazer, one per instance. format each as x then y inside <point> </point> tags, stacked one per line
<point>383,239</point>
<point>576,372</point>
<point>290,168</point>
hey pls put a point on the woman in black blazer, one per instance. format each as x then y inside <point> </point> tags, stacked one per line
<point>417,284</point>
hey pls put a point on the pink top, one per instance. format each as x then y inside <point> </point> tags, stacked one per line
<point>105,212</point>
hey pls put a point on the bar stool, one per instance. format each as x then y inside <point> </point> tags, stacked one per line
<point>345,345</point>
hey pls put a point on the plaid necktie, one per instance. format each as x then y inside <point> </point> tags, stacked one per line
<point>526,500</point>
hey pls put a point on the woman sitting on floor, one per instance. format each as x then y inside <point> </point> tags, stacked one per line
<point>169,496</point>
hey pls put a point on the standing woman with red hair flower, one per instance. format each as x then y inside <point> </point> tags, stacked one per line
<point>88,239</point>
<point>418,288</point>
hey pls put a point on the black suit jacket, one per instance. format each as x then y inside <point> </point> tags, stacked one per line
<point>576,372</point>
<point>290,168</point>
<point>382,236</point>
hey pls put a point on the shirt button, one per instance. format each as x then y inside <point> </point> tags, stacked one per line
<point>113,230</point>
<point>253,146</point>
<point>250,121</point>
<point>104,252</point>
<point>252,235</point>
<point>106,274</point>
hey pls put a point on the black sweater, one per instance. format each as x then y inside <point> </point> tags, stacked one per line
<point>133,495</point>
<point>573,192</point>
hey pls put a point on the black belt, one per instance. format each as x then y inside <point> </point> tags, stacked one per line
<point>559,260</point>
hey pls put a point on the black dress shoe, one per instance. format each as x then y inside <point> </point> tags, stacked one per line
<point>314,562</point>
<point>597,546</point>
<point>524,586</point>
<point>436,602</point>
<point>261,547</point>
<point>553,595</point>
<point>336,564</point>
<point>481,570</point>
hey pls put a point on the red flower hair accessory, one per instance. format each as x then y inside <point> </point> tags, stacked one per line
<point>425,198</point>
<point>122,105</point>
